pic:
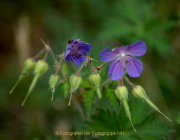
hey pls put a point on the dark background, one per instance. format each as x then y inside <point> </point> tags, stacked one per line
<point>98,22</point>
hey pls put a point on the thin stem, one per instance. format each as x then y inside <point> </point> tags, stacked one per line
<point>53,56</point>
<point>100,67</point>
<point>20,78</point>
<point>92,68</point>
<point>82,66</point>
<point>70,99</point>
<point>37,55</point>
<point>132,125</point>
<point>59,67</point>
<point>121,81</point>
<point>105,83</point>
<point>165,116</point>
<point>45,57</point>
<point>49,49</point>
<point>52,94</point>
<point>131,84</point>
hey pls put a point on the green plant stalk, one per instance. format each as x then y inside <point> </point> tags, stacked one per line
<point>20,78</point>
<point>127,80</point>
<point>82,67</point>
<point>36,77</point>
<point>59,65</point>
<point>39,54</point>
<point>155,108</point>
<point>105,83</point>
<point>98,91</point>
<point>128,113</point>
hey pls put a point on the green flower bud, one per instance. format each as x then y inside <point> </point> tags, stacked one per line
<point>95,79</point>
<point>54,81</point>
<point>75,82</point>
<point>41,67</point>
<point>29,65</point>
<point>121,92</point>
<point>139,92</point>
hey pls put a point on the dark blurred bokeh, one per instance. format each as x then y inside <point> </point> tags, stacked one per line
<point>98,22</point>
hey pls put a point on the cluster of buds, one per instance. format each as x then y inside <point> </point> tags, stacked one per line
<point>124,60</point>
<point>138,92</point>
<point>39,69</point>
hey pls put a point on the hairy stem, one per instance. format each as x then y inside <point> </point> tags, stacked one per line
<point>82,66</point>
<point>20,78</point>
<point>127,80</point>
<point>92,68</point>
<point>105,83</point>
<point>59,67</point>
<point>37,55</point>
<point>100,67</point>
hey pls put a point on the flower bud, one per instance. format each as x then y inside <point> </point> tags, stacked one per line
<point>75,82</point>
<point>95,79</point>
<point>139,92</point>
<point>121,92</point>
<point>54,81</point>
<point>29,65</point>
<point>41,67</point>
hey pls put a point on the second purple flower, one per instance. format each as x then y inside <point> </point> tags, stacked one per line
<point>123,58</point>
<point>76,51</point>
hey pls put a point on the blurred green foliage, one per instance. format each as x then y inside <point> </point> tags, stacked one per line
<point>101,23</point>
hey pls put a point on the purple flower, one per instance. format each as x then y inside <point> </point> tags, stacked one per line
<point>123,58</point>
<point>76,51</point>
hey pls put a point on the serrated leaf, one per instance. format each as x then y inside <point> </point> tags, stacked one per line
<point>111,97</point>
<point>88,100</point>
<point>86,84</point>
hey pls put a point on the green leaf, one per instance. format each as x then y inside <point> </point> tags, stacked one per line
<point>116,28</point>
<point>86,84</point>
<point>88,100</point>
<point>111,97</point>
<point>146,125</point>
<point>66,89</point>
<point>64,69</point>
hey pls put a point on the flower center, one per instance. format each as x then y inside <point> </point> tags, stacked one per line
<point>123,54</point>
